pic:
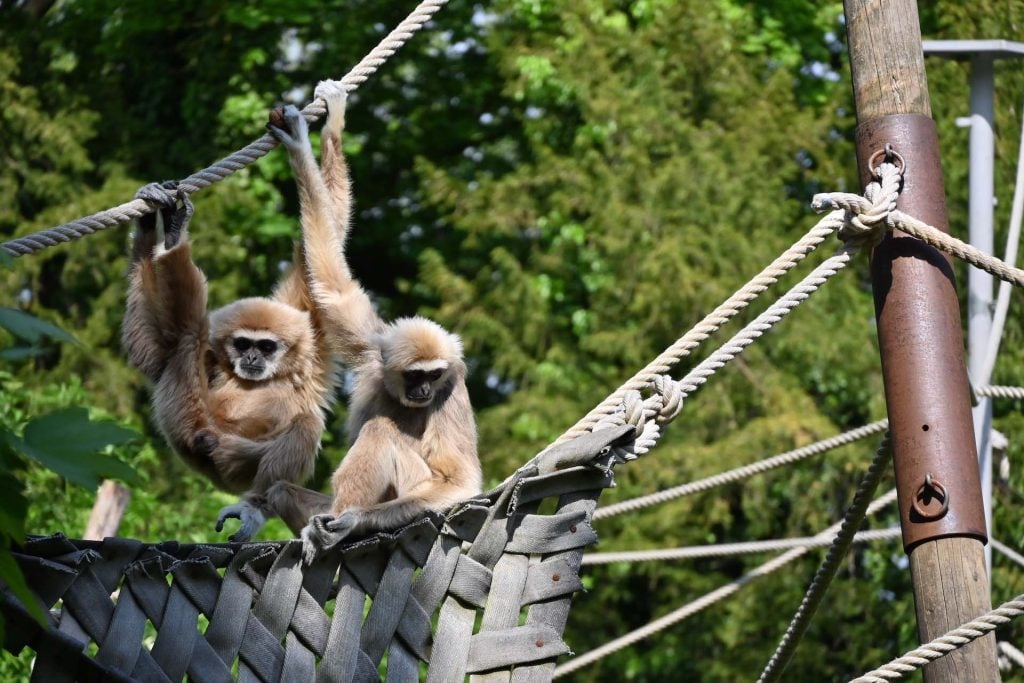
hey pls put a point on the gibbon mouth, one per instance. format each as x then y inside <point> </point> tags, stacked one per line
<point>251,369</point>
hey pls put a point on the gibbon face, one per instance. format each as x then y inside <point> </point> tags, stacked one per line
<point>259,339</point>
<point>420,360</point>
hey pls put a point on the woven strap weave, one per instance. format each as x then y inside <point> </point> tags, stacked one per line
<point>498,575</point>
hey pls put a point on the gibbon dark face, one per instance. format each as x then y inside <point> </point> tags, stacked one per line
<point>254,357</point>
<point>421,385</point>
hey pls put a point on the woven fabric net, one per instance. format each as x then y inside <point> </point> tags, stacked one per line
<point>483,591</point>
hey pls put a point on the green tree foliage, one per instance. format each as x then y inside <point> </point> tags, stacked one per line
<point>570,186</point>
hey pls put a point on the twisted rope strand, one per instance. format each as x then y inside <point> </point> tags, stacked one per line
<point>764,322</point>
<point>711,323</point>
<point>951,245</point>
<point>1008,552</point>
<point>827,571</point>
<point>944,644</point>
<point>1011,653</point>
<point>997,391</point>
<point>741,473</point>
<point>222,169</point>
<point>704,601</point>
<point>733,549</point>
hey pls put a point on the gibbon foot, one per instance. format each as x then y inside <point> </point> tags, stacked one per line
<point>324,532</point>
<point>289,127</point>
<point>251,517</point>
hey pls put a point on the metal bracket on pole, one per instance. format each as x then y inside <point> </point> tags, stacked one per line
<point>929,409</point>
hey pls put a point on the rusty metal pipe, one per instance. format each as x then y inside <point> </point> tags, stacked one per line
<point>920,340</point>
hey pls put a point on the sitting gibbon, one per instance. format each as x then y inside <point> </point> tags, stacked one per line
<point>240,393</point>
<point>411,426</point>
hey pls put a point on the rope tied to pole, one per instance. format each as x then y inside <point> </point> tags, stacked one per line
<point>867,218</point>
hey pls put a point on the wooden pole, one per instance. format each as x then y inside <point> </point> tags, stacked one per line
<point>921,344</point>
<point>107,511</point>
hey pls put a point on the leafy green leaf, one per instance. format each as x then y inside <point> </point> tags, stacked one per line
<point>6,260</point>
<point>15,580</point>
<point>67,442</point>
<point>18,353</point>
<point>31,328</point>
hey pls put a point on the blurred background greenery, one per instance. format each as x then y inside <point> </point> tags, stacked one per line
<point>570,187</point>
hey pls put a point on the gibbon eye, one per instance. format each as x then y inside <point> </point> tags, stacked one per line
<point>242,343</point>
<point>266,346</point>
<point>434,375</point>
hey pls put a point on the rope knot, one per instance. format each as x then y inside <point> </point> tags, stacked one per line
<point>867,218</point>
<point>670,393</point>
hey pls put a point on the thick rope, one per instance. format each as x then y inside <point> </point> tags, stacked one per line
<point>235,162</point>
<point>1011,653</point>
<point>734,549</point>
<point>704,601</point>
<point>996,391</point>
<point>741,473</point>
<point>711,323</point>
<point>1008,551</point>
<point>943,645</point>
<point>830,566</point>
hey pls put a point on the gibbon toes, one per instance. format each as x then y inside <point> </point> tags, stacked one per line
<point>251,517</point>
<point>324,532</point>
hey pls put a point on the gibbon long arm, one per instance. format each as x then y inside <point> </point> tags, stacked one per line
<point>342,305</point>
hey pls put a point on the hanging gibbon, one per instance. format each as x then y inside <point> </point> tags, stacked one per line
<point>239,392</point>
<point>411,426</point>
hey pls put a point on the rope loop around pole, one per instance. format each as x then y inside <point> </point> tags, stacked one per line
<point>867,217</point>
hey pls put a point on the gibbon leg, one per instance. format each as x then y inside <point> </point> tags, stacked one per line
<point>288,457</point>
<point>295,504</point>
<point>365,476</point>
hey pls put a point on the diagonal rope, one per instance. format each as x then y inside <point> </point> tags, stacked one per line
<point>944,644</point>
<point>1007,551</point>
<point>1012,653</point>
<point>691,608</point>
<point>711,323</point>
<point>741,473</point>
<point>222,169</point>
<point>734,549</point>
<point>830,566</point>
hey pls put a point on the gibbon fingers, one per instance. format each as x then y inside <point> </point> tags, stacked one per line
<point>411,426</point>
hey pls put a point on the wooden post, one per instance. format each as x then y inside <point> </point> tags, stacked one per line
<point>107,511</point>
<point>921,344</point>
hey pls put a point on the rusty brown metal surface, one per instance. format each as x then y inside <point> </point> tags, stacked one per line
<point>921,344</point>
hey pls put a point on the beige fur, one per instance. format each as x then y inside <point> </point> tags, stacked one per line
<point>403,459</point>
<point>244,435</point>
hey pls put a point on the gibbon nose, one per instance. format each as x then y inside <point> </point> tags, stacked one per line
<point>420,392</point>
